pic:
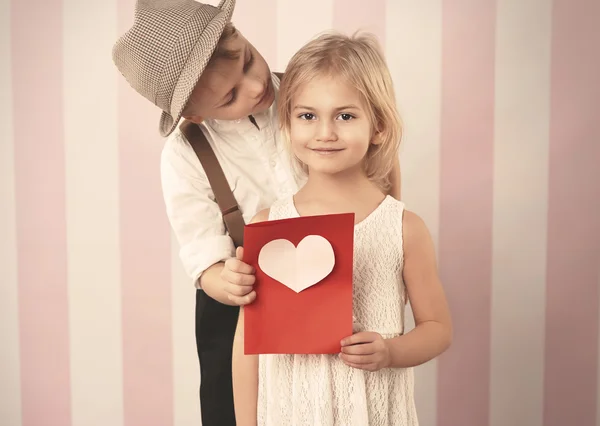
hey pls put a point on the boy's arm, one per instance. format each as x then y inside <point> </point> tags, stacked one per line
<point>244,378</point>
<point>195,217</point>
<point>396,179</point>
<point>245,367</point>
<point>213,283</point>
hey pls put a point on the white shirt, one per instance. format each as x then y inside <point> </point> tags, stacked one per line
<point>257,167</point>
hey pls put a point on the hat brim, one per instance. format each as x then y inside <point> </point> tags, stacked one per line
<point>194,67</point>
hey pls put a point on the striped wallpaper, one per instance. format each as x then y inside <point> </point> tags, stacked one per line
<point>501,101</point>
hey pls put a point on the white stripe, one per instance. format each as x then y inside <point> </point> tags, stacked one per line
<point>186,373</point>
<point>92,213</point>
<point>413,48</point>
<point>522,109</point>
<point>10,377</point>
<point>297,23</point>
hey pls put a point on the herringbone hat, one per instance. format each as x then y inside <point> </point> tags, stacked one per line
<point>164,53</point>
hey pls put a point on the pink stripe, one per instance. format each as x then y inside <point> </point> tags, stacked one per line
<point>465,241</point>
<point>145,259</point>
<point>353,15</point>
<point>573,217</point>
<point>41,218</point>
<point>263,36</point>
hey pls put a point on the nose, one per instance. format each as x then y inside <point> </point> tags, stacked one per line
<point>254,88</point>
<point>326,131</point>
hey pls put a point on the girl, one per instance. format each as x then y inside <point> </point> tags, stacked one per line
<point>337,110</point>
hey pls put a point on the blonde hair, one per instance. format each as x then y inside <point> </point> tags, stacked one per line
<point>357,59</point>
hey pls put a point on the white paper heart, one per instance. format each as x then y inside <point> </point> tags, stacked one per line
<point>297,267</point>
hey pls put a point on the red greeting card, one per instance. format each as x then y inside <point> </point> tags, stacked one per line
<point>303,284</point>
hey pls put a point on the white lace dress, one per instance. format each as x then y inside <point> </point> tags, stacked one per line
<point>320,390</point>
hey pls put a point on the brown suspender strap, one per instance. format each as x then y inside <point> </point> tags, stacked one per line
<point>232,216</point>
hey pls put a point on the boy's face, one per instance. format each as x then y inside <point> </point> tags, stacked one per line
<point>230,89</point>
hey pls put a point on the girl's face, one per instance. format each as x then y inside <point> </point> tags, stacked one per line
<point>330,129</point>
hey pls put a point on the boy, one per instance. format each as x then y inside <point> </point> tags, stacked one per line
<point>189,60</point>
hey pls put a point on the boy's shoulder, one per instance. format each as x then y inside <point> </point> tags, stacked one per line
<point>176,143</point>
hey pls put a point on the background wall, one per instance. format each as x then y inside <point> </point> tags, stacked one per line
<point>501,156</point>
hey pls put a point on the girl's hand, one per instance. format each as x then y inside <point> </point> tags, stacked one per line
<point>365,350</point>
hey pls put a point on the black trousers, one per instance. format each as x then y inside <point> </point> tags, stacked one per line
<point>215,328</point>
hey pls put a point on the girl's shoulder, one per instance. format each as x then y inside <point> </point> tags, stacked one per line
<point>411,221</point>
<point>261,216</point>
<point>280,209</point>
<point>390,208</point>
<point>398,204</point>
<point>415,232</point>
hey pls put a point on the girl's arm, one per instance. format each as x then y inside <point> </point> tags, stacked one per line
<point>244,368</point>
<point>245,379</point>
<point>432,334</point>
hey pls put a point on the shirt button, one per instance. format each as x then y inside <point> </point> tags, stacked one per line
<point>273,163</point>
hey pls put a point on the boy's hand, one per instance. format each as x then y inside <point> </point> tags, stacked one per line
<point>365,350</point>
<point>239,279</point>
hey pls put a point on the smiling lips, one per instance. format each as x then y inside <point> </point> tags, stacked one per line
<point>326,151</point>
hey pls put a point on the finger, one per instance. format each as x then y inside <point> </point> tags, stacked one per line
<point>236,265</point>
<point>359,349</point>
<point>244,300</point>
<point>358,338</point>
<point>237,290</point>
<point>238,279</point>
<point>358,359</point>
<point>239,253</point>
<point>366,367</point>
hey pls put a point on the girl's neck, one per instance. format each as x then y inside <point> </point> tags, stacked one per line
<point>326,194</point>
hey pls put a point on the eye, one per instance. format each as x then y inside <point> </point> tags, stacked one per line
<point>231,100</point>
<point>346,117</point>
<point>307,116</point>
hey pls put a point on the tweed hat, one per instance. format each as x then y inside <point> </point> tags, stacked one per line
<point>164,53</point>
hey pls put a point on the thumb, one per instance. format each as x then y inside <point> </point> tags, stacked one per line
<point>239,253</point>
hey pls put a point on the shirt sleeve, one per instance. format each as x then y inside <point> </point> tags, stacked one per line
<point>193,213</point>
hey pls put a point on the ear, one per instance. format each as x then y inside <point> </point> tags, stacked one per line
<point>377,138</point>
